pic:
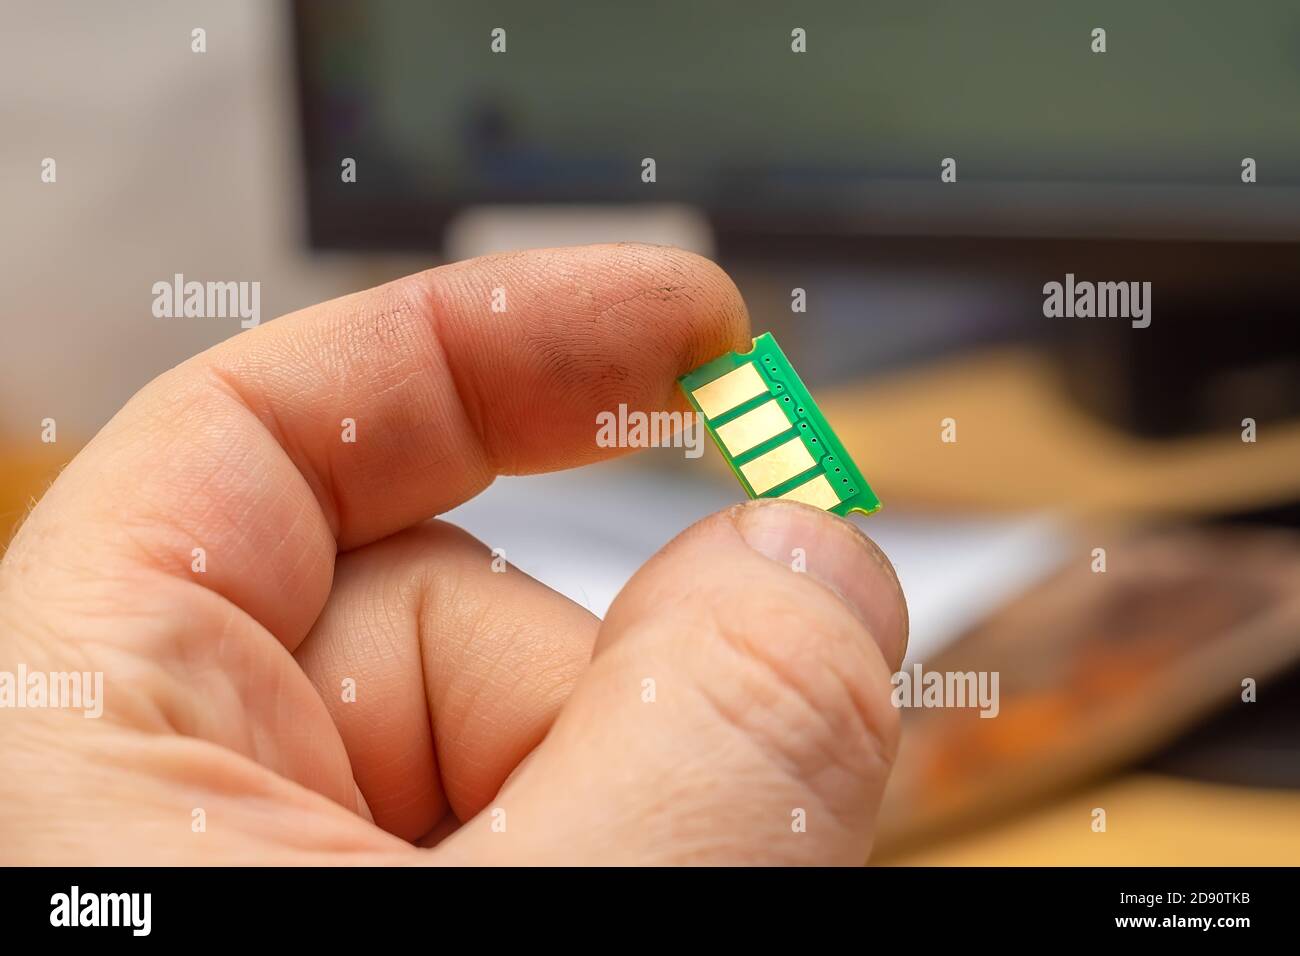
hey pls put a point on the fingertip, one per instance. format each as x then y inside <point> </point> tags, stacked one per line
<point>540,343</point>
<point>839,556</point>
<point>720,318</point>
<point>766,682</point>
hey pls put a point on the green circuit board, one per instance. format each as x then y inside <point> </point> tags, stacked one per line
<point>771,432</point>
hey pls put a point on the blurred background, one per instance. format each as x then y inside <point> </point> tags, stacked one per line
<point>820,171</point>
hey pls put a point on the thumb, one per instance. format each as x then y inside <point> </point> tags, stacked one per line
<point>737,709</point>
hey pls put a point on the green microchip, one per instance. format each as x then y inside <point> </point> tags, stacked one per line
<point>772,433</point>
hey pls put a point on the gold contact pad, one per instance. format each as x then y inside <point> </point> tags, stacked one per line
<point>727,391</point>
<point>753,428</point>
<point>780,464</point>
<point>817,493</point>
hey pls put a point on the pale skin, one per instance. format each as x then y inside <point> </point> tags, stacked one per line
<point>481,698</point>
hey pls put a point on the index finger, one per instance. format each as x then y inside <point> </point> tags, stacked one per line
<point>447,378</point>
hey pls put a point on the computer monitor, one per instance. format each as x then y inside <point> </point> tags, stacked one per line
<point>1050,138</point>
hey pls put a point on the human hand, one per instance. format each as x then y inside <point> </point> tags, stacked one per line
<point>222,694</point>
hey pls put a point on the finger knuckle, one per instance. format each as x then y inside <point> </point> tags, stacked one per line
<point>809,694</point>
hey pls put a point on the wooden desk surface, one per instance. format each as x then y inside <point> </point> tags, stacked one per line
<point>1150,821</point>
<point>1022,444</point>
